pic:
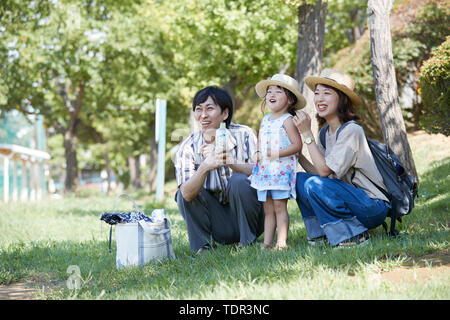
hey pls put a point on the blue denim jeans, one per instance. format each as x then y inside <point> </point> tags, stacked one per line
<point>336,209</point>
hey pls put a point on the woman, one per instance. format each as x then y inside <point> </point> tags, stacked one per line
<point>336,196</point>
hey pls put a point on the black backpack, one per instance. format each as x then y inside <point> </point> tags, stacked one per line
<point>401,187</point>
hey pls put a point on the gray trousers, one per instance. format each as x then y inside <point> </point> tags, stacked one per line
<point>240,220</point>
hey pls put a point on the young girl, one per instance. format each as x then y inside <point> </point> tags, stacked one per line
<point>338,195</point>
<point>279,142</point>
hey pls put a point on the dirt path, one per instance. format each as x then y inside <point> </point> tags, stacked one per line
<point>417,269</point>
<point>420,269</point>
<point>18,291</point>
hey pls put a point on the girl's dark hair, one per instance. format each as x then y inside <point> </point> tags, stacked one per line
<point>292,98</point>
<point>220,97</point>
<point>345,110</point>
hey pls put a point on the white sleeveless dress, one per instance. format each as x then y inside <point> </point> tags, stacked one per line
<point>279,174</point>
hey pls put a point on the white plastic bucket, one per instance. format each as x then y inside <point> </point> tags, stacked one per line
<point>138,243</point>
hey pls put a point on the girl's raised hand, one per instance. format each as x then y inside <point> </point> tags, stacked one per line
<point>256,157</point>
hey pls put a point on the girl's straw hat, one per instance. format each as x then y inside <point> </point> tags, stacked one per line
<point>337,80</point>
<point>284,81</point>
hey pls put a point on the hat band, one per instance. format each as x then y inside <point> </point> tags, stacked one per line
<point>341,84</point>
<point>331,79</point>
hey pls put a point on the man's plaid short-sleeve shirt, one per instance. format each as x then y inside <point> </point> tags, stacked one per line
<point>242,140</point>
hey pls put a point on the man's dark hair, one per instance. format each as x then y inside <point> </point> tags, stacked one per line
<point>345,110</point>
<point>220,97</point>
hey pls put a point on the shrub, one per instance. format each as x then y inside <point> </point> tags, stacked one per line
<point>431,26</point>
<point>434,87</point>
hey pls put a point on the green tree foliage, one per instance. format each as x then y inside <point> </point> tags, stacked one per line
<point>52,65</point>
<point>346,20</point>
<point>231,43</point>
<point>77,64</point>
<point>97,67</point>
<point>434,84</point>
<point>414,43</point>
<point>432,25</point>
<point>409,48</point>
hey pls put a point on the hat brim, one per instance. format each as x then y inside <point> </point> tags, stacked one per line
<point>312,82</point>
<point>261,89</point>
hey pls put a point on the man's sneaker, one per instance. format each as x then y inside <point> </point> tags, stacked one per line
<point>358,240</point>
<point>205,248</point>
<point>317,241</point>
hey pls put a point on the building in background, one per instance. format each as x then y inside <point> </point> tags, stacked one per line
<point>23,151</point>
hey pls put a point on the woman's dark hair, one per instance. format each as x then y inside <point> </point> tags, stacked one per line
<point>345,110</point>
<point>292,98</point>
<point>219,96</point>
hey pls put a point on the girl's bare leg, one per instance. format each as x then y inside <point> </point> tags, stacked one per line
<point>270,223</point>
<point>282,222</point>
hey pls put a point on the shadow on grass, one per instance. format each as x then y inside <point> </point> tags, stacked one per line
<point>184,277</point>
<point>187,278</point>
<point>434,182</point>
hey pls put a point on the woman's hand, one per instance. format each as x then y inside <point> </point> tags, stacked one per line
<point>302,121</point>
<point>319,165</point>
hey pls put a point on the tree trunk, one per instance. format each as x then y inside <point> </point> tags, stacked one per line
<point>230,87</point>
<point>354,18</point>
<point>392,124</point>
<point>135,172</point>
<point>70,131</point>
<point>70,148</point>
<point>100,141</point>
<point>311,31</point>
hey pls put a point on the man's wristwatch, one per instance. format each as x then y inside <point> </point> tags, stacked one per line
<point>309,140</point>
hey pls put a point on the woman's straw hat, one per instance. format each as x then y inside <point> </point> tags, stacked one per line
<point>284,81</point>
<point>337,80</point>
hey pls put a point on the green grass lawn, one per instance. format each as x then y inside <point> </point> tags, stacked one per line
<point>39,241</point>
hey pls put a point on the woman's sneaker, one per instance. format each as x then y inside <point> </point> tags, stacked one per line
<point>358,240</point>
<point>317,241</point>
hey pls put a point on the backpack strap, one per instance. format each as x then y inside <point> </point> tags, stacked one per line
<point>392,231</point>
<point>344,125</point>
<point>323,131</point>
<point>322,136</point>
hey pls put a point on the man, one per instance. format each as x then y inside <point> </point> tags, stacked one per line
<point>214,195</point>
